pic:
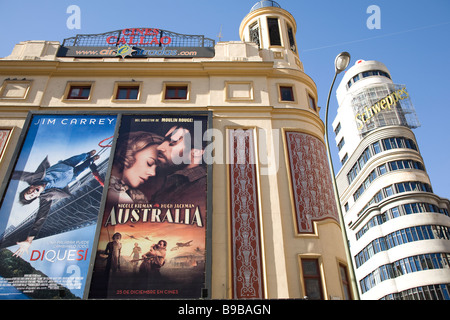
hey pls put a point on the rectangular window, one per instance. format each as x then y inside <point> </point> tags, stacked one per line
<point>311,102</point>
<point>179,92</point>
<point>341,144</point>
<point>312,279</point>
<point>254,33</point>
<point>274,32</point>
<point>393,165</point>
<point>376,147</point>
<point>387,144</point>
<point>127,93</point>
<point>291,39</point>
<point>345,282</point>
<point>286,93</point>
<point>395,212</point>
<point>388,191</point>
<point>338,128</point>
<point>79,92</point>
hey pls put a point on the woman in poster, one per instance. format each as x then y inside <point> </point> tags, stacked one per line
<point>134,163</point>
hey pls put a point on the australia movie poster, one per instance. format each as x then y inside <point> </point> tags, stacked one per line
<point>152,240</point>
<point>50,207</point>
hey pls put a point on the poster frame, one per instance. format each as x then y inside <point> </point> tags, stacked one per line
<point>206,292</point>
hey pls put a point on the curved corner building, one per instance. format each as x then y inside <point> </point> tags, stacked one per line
<point>272,224</point>
<point>398,229</point>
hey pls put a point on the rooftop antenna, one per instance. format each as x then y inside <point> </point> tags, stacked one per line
<point>220,36</point>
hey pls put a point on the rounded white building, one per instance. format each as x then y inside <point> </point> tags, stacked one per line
<point>398,229</point>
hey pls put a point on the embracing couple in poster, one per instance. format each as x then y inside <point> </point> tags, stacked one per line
<point>150,168</point>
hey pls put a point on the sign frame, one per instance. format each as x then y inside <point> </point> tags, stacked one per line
<point>206,291</point>
<point>138,43</point>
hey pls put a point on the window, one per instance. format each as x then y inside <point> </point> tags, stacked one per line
<point>311,102</point>
<point>79,92</point>
<point>376,147</point>
<point>286,93</point>
<point>345,282</point>
<point>338,129</point>
<point>254,33</point>
<point>176,92</point>
<point>291,39</point>
<point>389,192</point>
<point>312,279</point>
<point>341,144</point>
<point>127,93</point>
<point>274,32</point>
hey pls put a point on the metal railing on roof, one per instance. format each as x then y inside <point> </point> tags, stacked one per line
<point>264,4</point>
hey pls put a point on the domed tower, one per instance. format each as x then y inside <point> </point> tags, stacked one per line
<point>273,29</point>
<point>292,246</point>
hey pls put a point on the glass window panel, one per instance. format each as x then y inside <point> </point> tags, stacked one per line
<point>393,165</point>
<point>286,93</point>
<point>395,212</point>
<point>376,147</point>
<point>274,32</point>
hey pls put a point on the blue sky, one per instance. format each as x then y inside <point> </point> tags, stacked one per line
<point>412,42</point>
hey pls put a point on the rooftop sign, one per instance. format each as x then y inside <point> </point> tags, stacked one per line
<point>138,43</point>
<point>383,105</point>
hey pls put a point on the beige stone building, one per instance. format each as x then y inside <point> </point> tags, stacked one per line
<point>262,103</point>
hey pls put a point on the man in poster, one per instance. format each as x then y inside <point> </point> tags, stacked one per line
<point>186,180</point>
<point>62,220</point>
<point>49,183</point>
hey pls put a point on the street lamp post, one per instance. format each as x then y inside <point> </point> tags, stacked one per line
<point>341,63</point>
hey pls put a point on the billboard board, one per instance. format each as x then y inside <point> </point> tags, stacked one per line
<point>50,207</point>
<point>126,221</point>
<point>152,242</point>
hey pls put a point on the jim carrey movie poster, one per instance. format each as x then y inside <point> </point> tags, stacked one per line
<point>50,207</point>
<point>152,239</point>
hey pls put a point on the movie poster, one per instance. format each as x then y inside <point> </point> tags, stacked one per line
<point>153,235</point>
<point>50,207</point>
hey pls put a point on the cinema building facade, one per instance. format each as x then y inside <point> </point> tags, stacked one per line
<point>397,227</point>
<point>251,216</point>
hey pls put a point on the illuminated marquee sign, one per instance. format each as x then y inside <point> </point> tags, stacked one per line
<point>383,105</point>
<point>138,43</point>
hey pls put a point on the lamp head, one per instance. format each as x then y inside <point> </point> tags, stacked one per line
<point>341,62</point>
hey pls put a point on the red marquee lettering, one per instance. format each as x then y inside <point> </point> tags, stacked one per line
<point>151,32</point>
<point>113,38</point>
<point>125,32</point>
<point>166,40</point>
<point>154,41</point>
<point>128,36</point>
<point>122,41</point>
<point>131,40</point>
<point>141,42</point>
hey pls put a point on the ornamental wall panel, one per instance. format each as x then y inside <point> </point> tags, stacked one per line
<point>246,253</point>
<point>313,197</point>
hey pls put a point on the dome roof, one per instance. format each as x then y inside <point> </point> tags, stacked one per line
<point>265,3</point>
